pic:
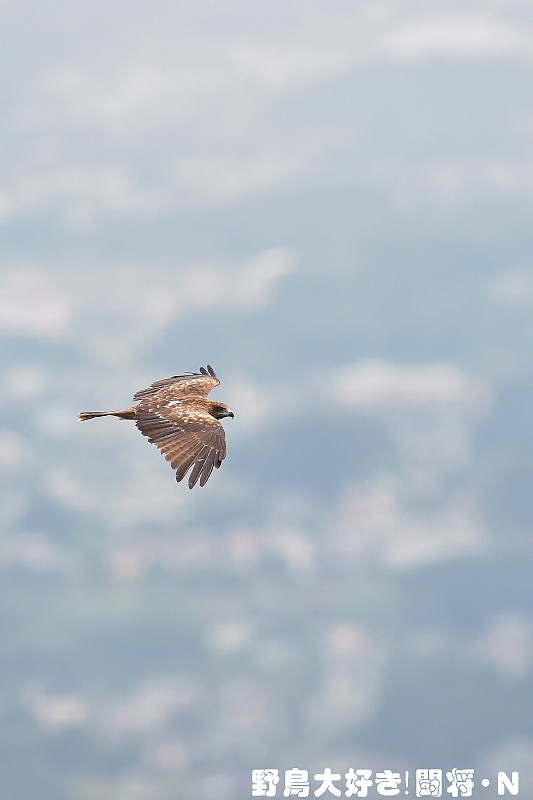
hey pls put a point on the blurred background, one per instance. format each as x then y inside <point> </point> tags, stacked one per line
<point>330,202</point>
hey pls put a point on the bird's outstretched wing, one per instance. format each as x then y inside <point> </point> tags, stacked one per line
<point>181,386</point>
<point>185,433</point>
<point>187,438</point>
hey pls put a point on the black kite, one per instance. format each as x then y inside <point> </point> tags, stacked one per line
<point>176,415</point>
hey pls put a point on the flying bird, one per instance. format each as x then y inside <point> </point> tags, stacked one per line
<point>179,419</point>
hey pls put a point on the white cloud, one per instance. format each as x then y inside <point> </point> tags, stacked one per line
<point>375,384</point>
<point>176,78</point>
<point>214,94</point>
<point>32,304</point>
<point>56,711</point>
<point>449,183</point>
<point>85,197</point>
<point>506,645</point>
<point>254,405</point>
<point>455,37</point>
<point>126,307</point>
<point>256,286</point>
<point>82,196</point>
<point>213,180</point>
<point>13,449</point>
<point>376,519</point>
<point>226,285</point>
<point>154,87</point>
<point>513,287</point>
<point>25,382</point>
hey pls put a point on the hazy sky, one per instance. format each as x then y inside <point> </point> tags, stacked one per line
<point>330,201</point>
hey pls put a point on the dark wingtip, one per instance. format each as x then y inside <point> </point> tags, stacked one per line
<point>209,371</point>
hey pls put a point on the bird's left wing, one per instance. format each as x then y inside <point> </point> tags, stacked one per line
<point>192,383</point>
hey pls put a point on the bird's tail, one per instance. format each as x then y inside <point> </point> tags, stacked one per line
<point>91,414</point>
<point>129,413</point>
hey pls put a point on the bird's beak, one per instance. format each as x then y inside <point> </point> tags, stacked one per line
<point>231,414</point>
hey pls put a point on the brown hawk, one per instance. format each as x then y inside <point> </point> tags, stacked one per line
<point>176,415</point>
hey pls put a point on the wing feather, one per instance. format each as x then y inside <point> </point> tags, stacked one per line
<point>207,468</point>
<point>192,440</point>
<point>202,458</point>
<point>184,463</point>
<point>197,383</point>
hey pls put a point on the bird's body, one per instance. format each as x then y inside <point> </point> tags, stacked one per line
<point>179,419</point>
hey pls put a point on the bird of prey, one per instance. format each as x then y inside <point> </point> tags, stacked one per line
<point>177,416</point>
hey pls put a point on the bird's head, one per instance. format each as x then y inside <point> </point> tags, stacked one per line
<point>220,410</point>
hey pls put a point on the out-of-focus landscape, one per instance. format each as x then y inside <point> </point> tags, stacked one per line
<point>330,202</point>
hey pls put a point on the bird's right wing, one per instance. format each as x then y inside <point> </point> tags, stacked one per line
<point>186,439</point>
